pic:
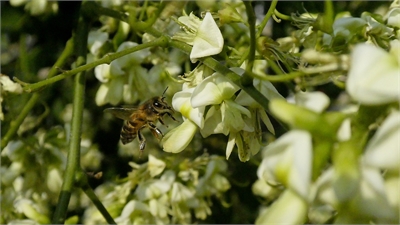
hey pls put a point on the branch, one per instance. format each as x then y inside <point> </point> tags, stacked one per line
<point>247,80</point>
<point>73,159</point>
<point>266,17</point>
<point>107,59</point>
<point>82,181</point>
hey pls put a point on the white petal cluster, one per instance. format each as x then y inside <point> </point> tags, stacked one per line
<point>165,197</point>
<point>123,72</point>
<point>237,117</point>
<point>224,115</point>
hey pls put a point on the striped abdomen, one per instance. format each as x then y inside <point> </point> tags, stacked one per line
<point>130,129</point>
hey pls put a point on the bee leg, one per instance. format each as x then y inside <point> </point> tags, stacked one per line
<point>170,115</point>
<point>162,121</point>
<point>142,140</point>
<point>155,131</point>
<point>161,118</point>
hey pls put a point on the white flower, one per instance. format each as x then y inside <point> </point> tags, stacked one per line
<point>247,140</point>
<point>202,210</point>
<point>54,180</point>
<point>205,36</point>
<point>152,189</point>
<point>374,75</point>
<point>129,209</point>
<point>344,132</point>
<point>110,92</point>
<point>124,79</point>
<point>315,101</point>
<point>392,187</point>
<point>31,210</point>
<point>117,66</point>
<point>181,103</point>
<point>267,89</point>
<point>208,41</point>
<point>180,192</point>
<point>96,39</point>
<point>225,115</point>
<point>369,201</point>
<point>180,137</point>
<point>393,17</point>
<point>288,161</point>
<point>155,166</point>
<point>196,76</point>
<point>7,85</point>
<point>263,189</point>
<point>213,90</point>
<point>212,182</point>
<point>159,207</point>
<point>288,209</point>
<point>383,150</point>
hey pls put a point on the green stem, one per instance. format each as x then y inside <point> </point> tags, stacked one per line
<point>107,59</point>
<point>73,159</point>
<point>275,67</point>
<point>266,17</point>
<point>67,52</point>
<point>282,16</point>
<point>92,8</point>
<point>247,80</point>
<point>329,13</point>
<point>143,26</point>
<point>322,151</point>
<point>84,184</point>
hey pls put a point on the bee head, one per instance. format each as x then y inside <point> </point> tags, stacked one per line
<point>160,105</point>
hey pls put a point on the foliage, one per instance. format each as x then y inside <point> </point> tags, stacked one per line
<point>306,94</point>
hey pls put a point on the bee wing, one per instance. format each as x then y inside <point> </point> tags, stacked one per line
<point>122,113</point>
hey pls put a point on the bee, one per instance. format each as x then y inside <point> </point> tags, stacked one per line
<point>146,115</point>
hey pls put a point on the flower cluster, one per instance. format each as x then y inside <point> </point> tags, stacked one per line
<point>126,79</point>
<point>7,86</point>
<point>32,169</point>
<point>295,172</point>
<point>164,194</point>
<point>37,7</point>
<point>212,103</point>
<point>236,116</point>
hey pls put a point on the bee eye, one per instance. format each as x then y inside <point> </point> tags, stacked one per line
<point>157,104</point>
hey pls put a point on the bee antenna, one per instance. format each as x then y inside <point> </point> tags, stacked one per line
<point>165,91</point>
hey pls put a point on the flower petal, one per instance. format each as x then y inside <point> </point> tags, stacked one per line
<point>179,138</point>
<point>213,123</point>
<point>374,76</point>
<point>155,166</point>
<point>102,72</point>
<point>213,90</point>
<point>315,101</point>
<point>7,85</point>
<point>207,93</point>
<point>181,103</point>
<point>383,150</point>
<point>208,41</point>
<point>288,209</point>
<point>230,144</point>
<point>96,39</point>
<point>288,161</point>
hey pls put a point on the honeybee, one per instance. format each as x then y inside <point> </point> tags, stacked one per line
<point>146,115</point>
